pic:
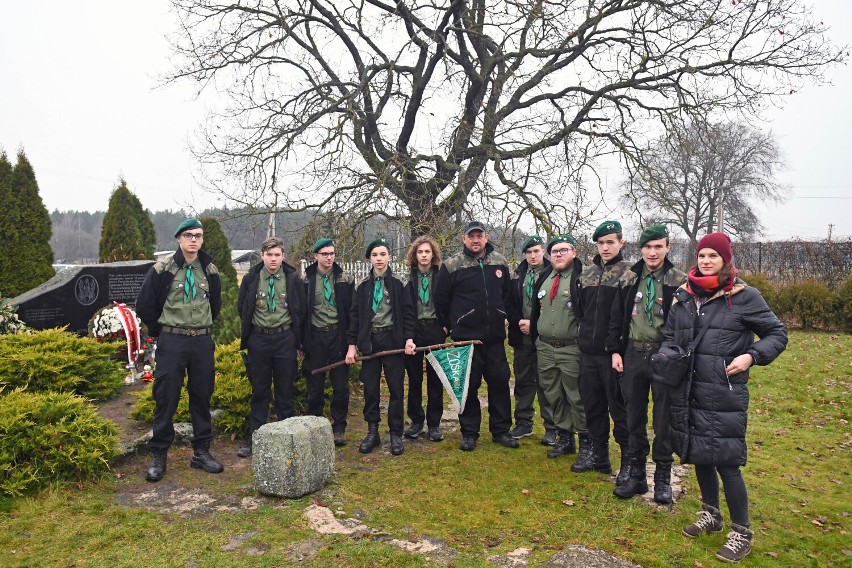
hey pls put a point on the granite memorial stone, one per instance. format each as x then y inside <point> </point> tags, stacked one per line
<point>293,457</point>
<point>74,294</point>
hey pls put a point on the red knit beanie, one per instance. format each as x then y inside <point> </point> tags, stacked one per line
<point>720,242</point>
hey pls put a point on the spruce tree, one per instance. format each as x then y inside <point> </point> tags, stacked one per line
<point>26,230</point>
<point>226,328</point>
<point>127,232</point>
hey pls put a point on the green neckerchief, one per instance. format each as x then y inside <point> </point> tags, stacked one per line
<point>530,285</point>
<point>377,294</point>
<point>189,285</point>
<point>650,296</point>
<point>326,290</point>
<point>424,288</point>
<point>270,293</point>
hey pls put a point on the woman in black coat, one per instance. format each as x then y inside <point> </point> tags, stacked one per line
<point>710,408</point>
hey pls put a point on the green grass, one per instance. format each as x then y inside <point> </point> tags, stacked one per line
<point>487,502</point>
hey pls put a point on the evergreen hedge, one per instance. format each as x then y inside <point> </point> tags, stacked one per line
<point>127,232</point>
<point>56,360</point>
<point>51,437</point>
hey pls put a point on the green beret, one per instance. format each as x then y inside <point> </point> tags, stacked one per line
<point>191,223</point>
<point>561,239</point>
<point>653,233</point>
<point>322,243</point>
<point>606,228</point>
<point>379,242</point>
<point>531,241</point>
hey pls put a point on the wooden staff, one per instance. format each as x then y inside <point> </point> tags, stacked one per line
<point>398,351</point>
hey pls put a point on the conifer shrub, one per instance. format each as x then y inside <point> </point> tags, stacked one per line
<point>59,361</point>
<point>51,437</point>
<point>232,393</point>
<point>765,287</point>
<point>809,303</point>
<point>843,309</point>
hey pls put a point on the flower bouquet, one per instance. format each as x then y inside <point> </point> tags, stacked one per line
<point>120,323</point>
<point>9,321</point>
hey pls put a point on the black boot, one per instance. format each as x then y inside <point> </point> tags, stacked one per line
<point>371,440</point>
<point>624,470</point>
<point>413,431</point>
<point>598,459</point>
<point>564,445</point>
<point>584,456</point>
<point>201,459</point>
<point>636,483</point>
<point>245,451</point>
<point>158,466</point>
<point>396,446</point>
<point>663,483</point>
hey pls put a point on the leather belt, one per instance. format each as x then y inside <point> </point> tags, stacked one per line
<point>643,345</point>
<point>426,321</point>
<point>191,331</point>
<point>382,329</point>
<point>557,342</point>
<point>331,327</point>
<point>272,330</point>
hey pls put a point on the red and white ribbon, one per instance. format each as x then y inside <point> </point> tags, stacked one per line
<point>131,332</point>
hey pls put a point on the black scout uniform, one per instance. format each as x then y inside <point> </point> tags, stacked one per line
<point>525,363</point>
<point>382,319</point>
<point>178,302</point>
<point>429,331</point>
<point>555,320</point>
<point>636,327</point>
<point>598,381</point>
<point>329,301</point>
<point>272,308</point>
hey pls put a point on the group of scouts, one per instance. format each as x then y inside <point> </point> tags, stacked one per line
<point>582,340</point>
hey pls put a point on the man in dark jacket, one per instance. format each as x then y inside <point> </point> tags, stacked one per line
<point>598,381</point>
<point>271,304</point>
<point>178,301</point>
<point>328,301</point>
<point>530,273</point>
<point>382,319</point>
<point>636,325</point>
<point>471,296</point>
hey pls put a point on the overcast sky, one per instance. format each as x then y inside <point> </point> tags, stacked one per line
<point>78,92</point>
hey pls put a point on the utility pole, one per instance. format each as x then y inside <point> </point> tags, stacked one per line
<point>720,216</point>
<point>830,227</point>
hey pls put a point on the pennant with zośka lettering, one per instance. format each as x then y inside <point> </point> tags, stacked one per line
<point>453,368</point>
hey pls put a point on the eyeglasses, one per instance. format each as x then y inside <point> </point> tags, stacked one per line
<point>326,254</point>
<point>192,236</point>
<point>561,251</point>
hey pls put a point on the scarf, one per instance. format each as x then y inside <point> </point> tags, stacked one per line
<point>326,290</point>
<point>189,285</point>
<point>270,294</point>
<point>424,288</point>
<point>530,285</point>
<point>377,294</point>
<point>705,286</point>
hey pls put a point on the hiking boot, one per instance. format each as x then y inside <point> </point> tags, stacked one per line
<point>624,470</point>
<point>339,439</point>
<point>371,440</point>
<point>245,451</point>
<point>413,431</point>
<point>564,446</point>
<point>738,545</point>
<point>584,456</point>
<point>549,438</point>
<point>636,483</point>
<point>201,459</point>
<point>396,446</point>
<point>663,484</point>
<point>467,443</point>
<point>506,441</point>
<point>520,431</point>
<point>157,468</point>
<point>597,458</point>
<point>709,521</point>
<point>435,434</point>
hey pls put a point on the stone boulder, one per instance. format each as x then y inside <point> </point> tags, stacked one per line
<point>293,457</point>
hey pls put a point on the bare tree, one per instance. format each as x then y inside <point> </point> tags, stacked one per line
<point>417,110</point>
<point>697,171</point>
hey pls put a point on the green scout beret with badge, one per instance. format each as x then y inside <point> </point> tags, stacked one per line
<point>531,241</point>
<point>653,233</point>
<point>191,223</point>
<point>322,243</point>
<point>380,242</point>
<point>561,239</point>
<point>606,228</point>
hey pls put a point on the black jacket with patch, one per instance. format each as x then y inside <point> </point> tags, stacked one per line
<point>598,289</point>
<point>295,301</point>
<point>344,288</point>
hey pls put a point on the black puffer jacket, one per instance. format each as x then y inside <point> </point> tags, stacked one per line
<point>709,410</point>
<point>471,295</point>
<point>516,298</point>
<point>248,294</point>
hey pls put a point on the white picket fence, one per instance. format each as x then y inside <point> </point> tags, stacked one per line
<point>359,268</point>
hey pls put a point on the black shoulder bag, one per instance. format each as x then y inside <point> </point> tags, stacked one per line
<point>672,363</point>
